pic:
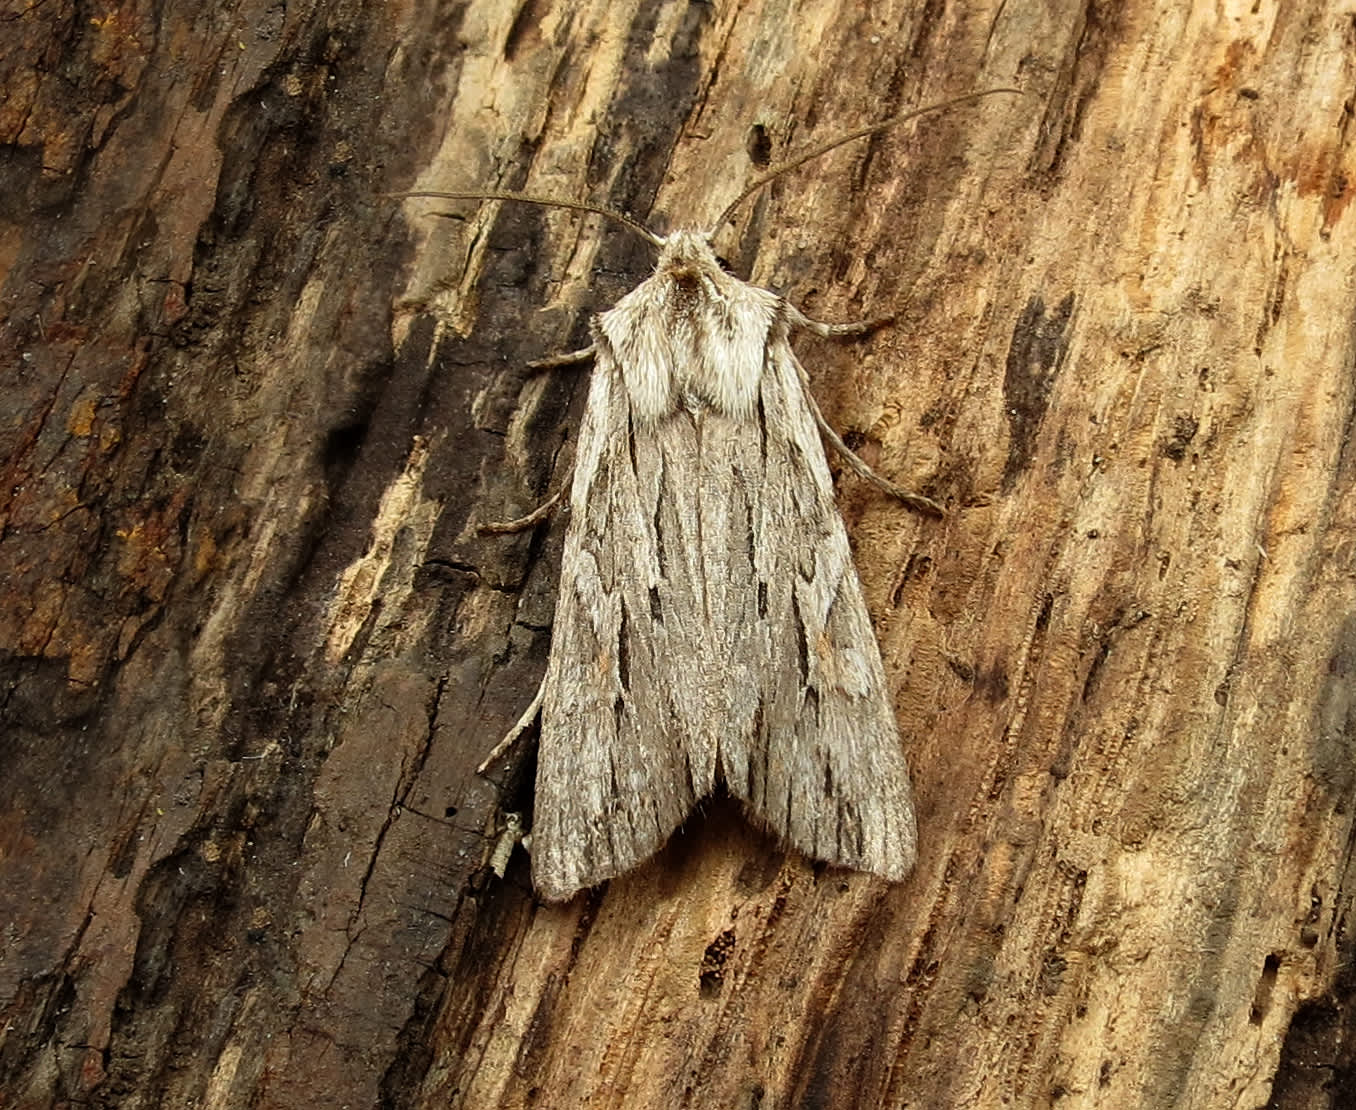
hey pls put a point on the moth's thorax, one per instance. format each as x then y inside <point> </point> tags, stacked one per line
<point>691,334</point>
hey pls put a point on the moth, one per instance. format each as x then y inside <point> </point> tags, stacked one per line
<point>710,627</point>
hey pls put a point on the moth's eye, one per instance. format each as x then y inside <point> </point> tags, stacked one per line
<point>724,265</point>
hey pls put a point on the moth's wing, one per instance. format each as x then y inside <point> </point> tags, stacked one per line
<point>821,762</point>
<point>626,744</point>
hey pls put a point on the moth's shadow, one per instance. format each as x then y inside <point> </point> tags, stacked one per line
<point>720,832</point>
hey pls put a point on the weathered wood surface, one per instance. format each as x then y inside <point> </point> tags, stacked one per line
<point>252,648</point>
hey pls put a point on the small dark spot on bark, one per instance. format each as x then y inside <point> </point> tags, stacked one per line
<point>992,685</point>
<point>759,146</point>
<point>1261,1001</point>
<point>342,446</point>
<point>1052,974</point>
<point>623,654</point>
<point>1043,618</point>
<point>1040,340</point>
<point>917,567</point>
<point>960,668</point>
<point>187,446</point>
<point>802,648</point>
<point>1184,430</point>
<point>712,974</point>
<point>124,855</point>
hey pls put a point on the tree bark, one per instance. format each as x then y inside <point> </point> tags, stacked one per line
<point>252,646</point>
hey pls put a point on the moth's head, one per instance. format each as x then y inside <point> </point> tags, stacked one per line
<point>690,268</point>
<point>687,251</point>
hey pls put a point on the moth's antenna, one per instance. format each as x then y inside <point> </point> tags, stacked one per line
<point>524,198</point>
<point>824,148</point>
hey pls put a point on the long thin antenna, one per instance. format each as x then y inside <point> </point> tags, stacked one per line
<point>550,202</point>
<point>832,144</point>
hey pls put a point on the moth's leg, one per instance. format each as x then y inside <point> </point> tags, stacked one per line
<point>524,723</point>
<point>541,512</point>
<point>523,523</point>
<point>832,331</point>
<point>855,462</point>
<point>570,358</point>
